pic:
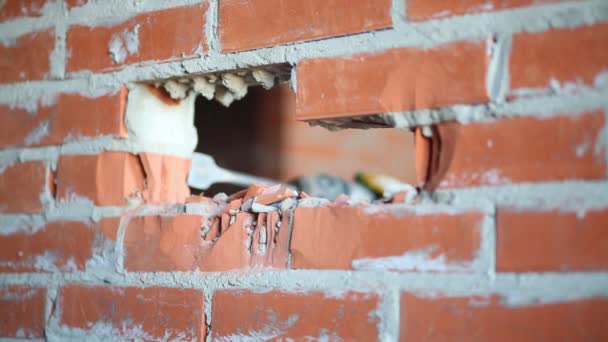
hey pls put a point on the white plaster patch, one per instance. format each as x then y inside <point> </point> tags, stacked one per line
<point>123,44</point>
<point>156,126</point>
<point>418,260</point>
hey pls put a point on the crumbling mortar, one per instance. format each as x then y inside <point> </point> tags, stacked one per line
<point>211,28</point>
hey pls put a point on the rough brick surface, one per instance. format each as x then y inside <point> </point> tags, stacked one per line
<point>393,80</point>
<point>166,178</point>
<point>27,58</point>
<point>243,315</point>
<point>483,318</point>
<point>383,240</point>
<point>161,243</point>
<point>541,241</point>
<point>56,247</point>
<point>430,9</point>
<point>70,117</point>
<point>131,313</point>
<point>582,57</point>
<point>20,187</point>
<point>509,151</point>
<point>11,9</point>
<point>106,179</point>
<point>167,34</point>
<point>277,22</point>
<point>22,312</point>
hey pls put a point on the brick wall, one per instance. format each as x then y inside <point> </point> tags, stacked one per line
<point>506,240</point>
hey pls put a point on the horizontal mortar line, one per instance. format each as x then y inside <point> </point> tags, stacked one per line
<point>424,34</point>
<point>586,284</point>
<point>567,196</point>
<point>541,106</point>
<point>86,146</point>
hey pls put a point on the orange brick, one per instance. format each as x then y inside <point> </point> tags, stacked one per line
<point>393,80</point>
<point>166,178</point>
<point>20,187</point>
<point>163,243</point>
<point>486,318</point>
<point>27,58</point>
<point>22,311</point>
<point>58,246</point>
<point>11,9</point>
<point>575,56</point>
<point>169,34</point>
<point>151,313</point>
<point>275,315</point>
<point>510,151</point>
<point>71,117</point>
<point>275,22</point>
<point>544,241</point>
<point>429,9</point>
<point>107,178</point>
<point>383,240</point>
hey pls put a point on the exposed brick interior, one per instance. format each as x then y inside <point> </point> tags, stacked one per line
<point>498,110</point>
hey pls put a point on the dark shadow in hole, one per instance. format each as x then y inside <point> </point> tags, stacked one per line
<point>244,137</point>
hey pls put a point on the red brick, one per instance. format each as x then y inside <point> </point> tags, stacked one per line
<point>169,34</point>
<point>510,151</point>
<point>543,241</point>
<point>487,318</point>
<point>166,178</point>
<point>22,311</point>
<point>163,243</point>
<point>368,240</point>
<point>11,9</point>
<point>275,22</point>
<point>393,80</point>
<point>151,313</point>
<point>70,117</point>
<point>239,245</point>
<point>107,178</point>
<point>275,315</point>
<point>58,246</point>
<point>429,9</point>
<point>20,187</point>
<point>27,58</point>
<point>575,56</point>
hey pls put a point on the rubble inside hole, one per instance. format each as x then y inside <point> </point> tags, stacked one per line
<point>267,206</point>
<point>225,87</point>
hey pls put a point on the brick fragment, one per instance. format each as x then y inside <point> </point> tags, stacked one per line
<point>432,9</point>
<point>21,186</point>
<point>27,58</point>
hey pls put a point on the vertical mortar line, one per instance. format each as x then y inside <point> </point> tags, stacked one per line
<point>50,315</point>
<point>389,312</point>
<point>398,14</point>
<point>208,293</point>
<point>211,27</point>
<point>488,244</point>
<point>291,213</point>
<point>497,72</point>
<point>604,137</point>
<point>58,57</point>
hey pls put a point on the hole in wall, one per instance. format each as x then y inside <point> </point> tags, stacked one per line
<point>256,133</point>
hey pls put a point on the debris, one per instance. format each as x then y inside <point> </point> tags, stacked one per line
<point>202,86</point>
<point>264,78</point>
<point>235,84</point>
<point>176,89</point>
